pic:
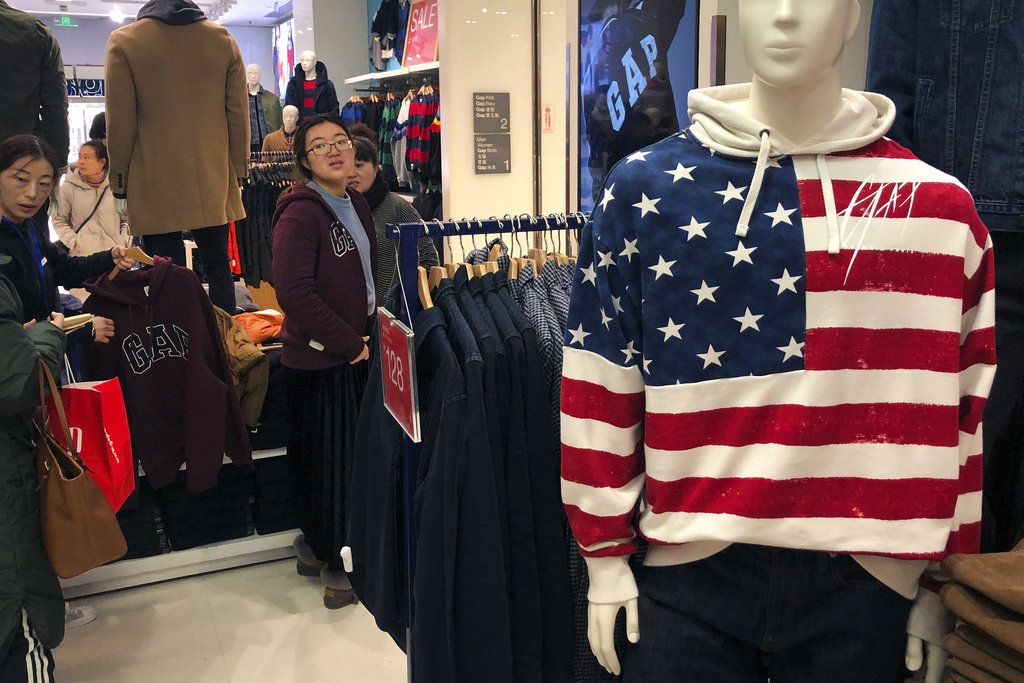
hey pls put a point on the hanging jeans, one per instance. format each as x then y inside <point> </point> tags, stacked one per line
<point>753,613</point>
<point>213,254</point>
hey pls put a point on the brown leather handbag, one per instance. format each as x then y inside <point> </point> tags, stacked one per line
<point>80,531</point>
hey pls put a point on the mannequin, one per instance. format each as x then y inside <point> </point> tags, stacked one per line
<point>281,139</point>
<point>264,108</point>
<point>718,492</point>
<point>193,184</point>
<point>309,90</point>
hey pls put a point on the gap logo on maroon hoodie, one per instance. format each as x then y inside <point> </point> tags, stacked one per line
<point>168,354</point>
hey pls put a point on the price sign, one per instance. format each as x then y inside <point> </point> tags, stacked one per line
<point>398,370</point>
<point>421,34</point>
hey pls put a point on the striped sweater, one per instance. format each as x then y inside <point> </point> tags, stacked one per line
<point>817,383</point>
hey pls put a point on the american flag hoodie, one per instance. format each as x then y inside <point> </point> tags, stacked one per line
<point>778,344</point>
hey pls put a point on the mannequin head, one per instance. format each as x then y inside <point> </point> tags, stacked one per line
<point>308,61</point>
<point>791,43</point>
<point>26,176</point>
<point>253,74</point>
<point>290,115</point>
<point>324,152</point>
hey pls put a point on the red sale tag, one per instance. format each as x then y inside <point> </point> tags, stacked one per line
<point>398,368</point>
<point>421,35</point>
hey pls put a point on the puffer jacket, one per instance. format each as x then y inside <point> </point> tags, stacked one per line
<point>105,230</point>
<point>27,580</point>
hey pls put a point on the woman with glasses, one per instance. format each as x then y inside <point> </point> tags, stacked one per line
<point>325,254</point>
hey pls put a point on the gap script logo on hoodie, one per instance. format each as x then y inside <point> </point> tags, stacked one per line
<point>163,343</point>
<point>341,240</point>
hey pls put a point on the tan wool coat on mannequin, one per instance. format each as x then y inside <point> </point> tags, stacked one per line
<point>177,125</point>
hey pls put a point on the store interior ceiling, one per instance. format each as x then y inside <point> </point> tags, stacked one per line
<point>233,12</point>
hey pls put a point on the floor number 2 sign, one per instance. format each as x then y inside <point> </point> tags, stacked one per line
<point>398,373</point>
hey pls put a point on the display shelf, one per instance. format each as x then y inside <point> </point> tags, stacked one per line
<point>394,73</point>
<point>181,563</point>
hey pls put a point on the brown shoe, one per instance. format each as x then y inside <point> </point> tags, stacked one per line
<point>306,563</point>
<point>338,591</point>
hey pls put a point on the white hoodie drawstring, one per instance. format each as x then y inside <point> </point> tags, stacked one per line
<point>743,227</point>
<point>831,215</point>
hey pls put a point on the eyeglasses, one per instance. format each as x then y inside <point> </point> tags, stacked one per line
<point>324,148</point>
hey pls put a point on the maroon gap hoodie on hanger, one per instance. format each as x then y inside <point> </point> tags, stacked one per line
<point>174,373</point>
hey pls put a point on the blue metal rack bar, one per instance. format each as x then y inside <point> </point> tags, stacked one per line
<point>407,234</point>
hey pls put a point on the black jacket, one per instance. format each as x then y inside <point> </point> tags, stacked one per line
<point>40,299</point>
<point>325,97</point>
<point>461,632</point>
<point>26,576</point>
<point>32,81</point>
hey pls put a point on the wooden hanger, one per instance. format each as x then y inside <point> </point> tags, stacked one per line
<point>437,273</point>
<point>513,269</point>
<point>423,288</point>
<point>539,258</point>
<point>495,253</point>
<point>136,254</point>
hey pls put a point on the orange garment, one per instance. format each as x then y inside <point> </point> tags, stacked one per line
<point>260,326</point>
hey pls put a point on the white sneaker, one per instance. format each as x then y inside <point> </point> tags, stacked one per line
<point>76,617</point>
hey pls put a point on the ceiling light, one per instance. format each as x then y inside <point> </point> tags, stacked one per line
<point>116,15</point>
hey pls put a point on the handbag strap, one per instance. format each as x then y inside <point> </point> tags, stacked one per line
<point>47,376</point>
<point>94,210</point>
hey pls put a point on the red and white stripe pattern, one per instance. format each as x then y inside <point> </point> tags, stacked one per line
<point>873,448</point>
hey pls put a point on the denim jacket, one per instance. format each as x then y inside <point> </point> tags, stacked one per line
<point>955,69</point>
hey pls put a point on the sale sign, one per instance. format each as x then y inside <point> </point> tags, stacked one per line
<point>398,370</point>
<point>421,34</point>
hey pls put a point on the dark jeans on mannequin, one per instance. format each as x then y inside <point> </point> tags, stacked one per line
<point>213,254</point>
<point>1003,432</point>
<point>753,613</point>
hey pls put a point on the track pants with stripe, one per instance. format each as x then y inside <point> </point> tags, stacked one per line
<point>27,661</point>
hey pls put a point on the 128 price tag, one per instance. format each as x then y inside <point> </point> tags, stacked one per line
<point>398,370</point>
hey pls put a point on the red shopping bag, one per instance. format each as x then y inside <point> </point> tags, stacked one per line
<point>99,427</point>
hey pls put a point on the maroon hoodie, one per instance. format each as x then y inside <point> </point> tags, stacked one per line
<point>174,372</point>
<point>318,278</point>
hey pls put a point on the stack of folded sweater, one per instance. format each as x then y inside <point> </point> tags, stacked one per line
<point>142,523</point>
<point>986,593</point>
<point>221,514</point>
<point>273,510</point>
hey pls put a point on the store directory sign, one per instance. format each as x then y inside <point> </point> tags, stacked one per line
<point>398,372</point>
<point>492,133</point>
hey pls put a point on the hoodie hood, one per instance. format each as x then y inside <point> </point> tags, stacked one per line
<point>300,192</point>
<point>129,287</point>
<point>75,178</point>
<point>321,72</point>
<point>720,123</point>
<point>173,12</point>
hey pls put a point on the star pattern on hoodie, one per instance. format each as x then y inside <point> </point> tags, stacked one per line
<point>688,300</point>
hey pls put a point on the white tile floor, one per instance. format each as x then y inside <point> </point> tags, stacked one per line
<point>254,624</point>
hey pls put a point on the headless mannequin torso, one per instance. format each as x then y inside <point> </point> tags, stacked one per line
<point>794,50</point>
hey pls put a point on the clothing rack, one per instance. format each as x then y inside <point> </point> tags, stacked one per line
<point>407,234</point>
<point>271,157</point>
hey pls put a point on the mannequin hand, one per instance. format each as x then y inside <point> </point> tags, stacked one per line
<point>121,205</point>
<point>928,624</point>
<point>102,330</point>
<point>916,658</point>
<point>612,588</point>
<point>601,631</point>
